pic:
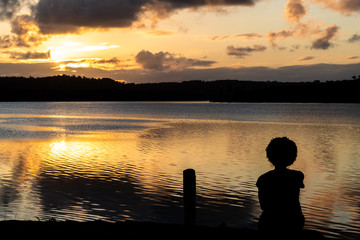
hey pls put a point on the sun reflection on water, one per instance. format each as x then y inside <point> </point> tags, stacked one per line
<point>120,169</point>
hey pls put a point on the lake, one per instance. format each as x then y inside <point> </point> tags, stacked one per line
<point>117,161</point>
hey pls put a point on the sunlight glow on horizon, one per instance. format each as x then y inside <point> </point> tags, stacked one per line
<point>262,35</point>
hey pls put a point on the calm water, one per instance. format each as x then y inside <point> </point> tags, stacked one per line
<point>124,161</point>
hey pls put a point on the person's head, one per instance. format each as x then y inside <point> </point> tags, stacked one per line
<point>281,152</point>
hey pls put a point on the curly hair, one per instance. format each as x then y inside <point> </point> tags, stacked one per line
<point>281,152</point>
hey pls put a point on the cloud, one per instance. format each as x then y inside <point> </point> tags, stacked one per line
<point>306,58</point>
<point>343,6</point>
<point>179,4</point>
<point>244,36</point>
<point>242,52</point>
<point>248,36</point>
<point>66,16</point>
<point>30,55</point>
<point>295,10</point>
<point>323,42</point>
<point>297,73</point>
<point>323,35</point>
<point>172,5</point>
<point>113,60</point>
<point>168,61</point>
<point>94,63</point>
<point>354,38</point>
<point>6,41</point>
<point>8,8</point>
<point>151,61</point>
<point>273,36</point>
<point>25,33</point>
<point>159,32</point>
<point>63,16</point>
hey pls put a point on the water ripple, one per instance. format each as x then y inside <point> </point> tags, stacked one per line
<point>108,167</point>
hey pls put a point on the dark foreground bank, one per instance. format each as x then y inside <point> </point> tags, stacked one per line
<point>105,230</point>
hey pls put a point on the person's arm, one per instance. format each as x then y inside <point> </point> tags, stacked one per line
<point>301,180</point>
<point>261,194</point>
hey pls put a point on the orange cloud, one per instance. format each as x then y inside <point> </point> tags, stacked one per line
<point>25,33</point>
<point>244,36</point>
<point>30,55</point>
<point>295,10</point>
<point>343,6</point>
<point>272,36</point>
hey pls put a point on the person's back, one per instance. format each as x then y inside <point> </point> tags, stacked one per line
<point>279,189</point>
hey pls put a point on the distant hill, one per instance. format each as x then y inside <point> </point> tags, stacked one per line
<point>73,88</point>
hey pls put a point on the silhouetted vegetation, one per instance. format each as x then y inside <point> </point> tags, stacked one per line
<point>107,230</point>
<point>75,88</point>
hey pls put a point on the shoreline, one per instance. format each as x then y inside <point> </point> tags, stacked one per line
<point>105,230</point>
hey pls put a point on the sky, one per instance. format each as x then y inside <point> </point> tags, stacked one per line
<point>141,41</point>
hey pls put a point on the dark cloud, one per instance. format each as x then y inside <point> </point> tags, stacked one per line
<point>295,73</point>
<point>27,69</point>
<point>306,58</point>
<point>354,38</point>
<point>6,41</point>
<point>8,8</point>
<point>64,16</point>
<point>30,55</point>
<point>168,61</point>
<point>199,3</point>
<point>242,52</point>
<point>324,41</point>
<point>113,60</point>
<point>57,16</point>
<point>150,60</point>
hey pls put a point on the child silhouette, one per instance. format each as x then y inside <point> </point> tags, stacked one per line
<point>279,189</point>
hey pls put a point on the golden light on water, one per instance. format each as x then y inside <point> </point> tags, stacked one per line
<point>111,167</point>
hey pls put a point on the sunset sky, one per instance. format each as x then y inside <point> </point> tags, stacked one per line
<point>178,40</point>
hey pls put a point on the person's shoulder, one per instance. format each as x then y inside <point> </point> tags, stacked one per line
<point>267,174</point>
<point>263,178</point>
<point>297,173</point>
<point>299,177</point>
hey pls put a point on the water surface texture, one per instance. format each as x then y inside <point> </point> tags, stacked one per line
<point>120,161</point>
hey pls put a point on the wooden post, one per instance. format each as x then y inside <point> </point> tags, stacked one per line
<point>189,184</point>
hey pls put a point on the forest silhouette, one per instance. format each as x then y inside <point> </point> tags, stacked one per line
<point>76,88</point>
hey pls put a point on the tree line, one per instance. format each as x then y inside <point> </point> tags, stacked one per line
<point>76,88</point>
